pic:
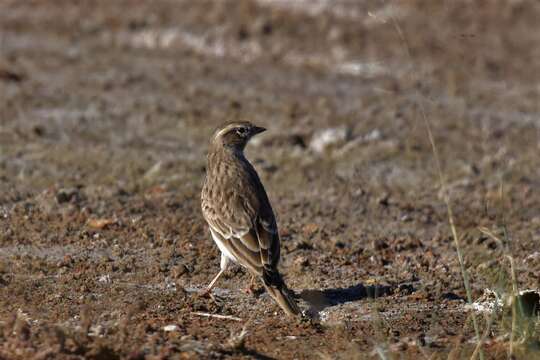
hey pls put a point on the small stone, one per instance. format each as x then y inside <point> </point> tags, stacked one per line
<point>169,328</point>
<point>302,261</point>
<point>106,279</point>
<point>310,229</point>
<point>383,200</point>
<point>99,224</point>
<point>178,270</point>
<point>406,218</point>
<point>379,244</point>
<point>67,195</point>
<point>324,139</point>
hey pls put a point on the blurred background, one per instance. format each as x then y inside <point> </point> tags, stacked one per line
<point>106,110</point>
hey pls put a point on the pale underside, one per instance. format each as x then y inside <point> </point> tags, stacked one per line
<point>226,255</point>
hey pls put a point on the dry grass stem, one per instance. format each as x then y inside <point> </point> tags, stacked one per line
<point>442,184</point>
<point>217,316</point>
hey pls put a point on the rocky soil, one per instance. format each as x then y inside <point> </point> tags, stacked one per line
<point>106,108</point>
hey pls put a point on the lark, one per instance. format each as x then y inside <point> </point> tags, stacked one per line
<point>241,220</point>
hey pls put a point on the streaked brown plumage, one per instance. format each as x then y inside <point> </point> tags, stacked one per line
<point>237,209</point>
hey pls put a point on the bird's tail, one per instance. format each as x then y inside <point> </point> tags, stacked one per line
<point>274,284</point>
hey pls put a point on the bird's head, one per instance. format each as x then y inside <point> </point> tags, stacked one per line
<point>236,135</point>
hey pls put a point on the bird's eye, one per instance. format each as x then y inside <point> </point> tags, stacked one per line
<point>241,131</point>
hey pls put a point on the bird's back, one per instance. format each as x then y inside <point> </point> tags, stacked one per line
<point>234,195</point>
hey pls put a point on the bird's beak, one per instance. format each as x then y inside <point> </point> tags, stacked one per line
<point>257,130</point>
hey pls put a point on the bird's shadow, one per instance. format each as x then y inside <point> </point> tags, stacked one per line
<point>322,299</point>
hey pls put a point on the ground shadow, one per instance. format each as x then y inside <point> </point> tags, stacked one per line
<point>256,355</point>
<point>322,299</point>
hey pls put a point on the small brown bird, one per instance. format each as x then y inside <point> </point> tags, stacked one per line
<point>237,209</point>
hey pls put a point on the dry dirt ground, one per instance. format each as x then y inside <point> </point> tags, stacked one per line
<point>106,108</point>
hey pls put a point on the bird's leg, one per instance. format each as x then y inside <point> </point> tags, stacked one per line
<point>208,290</point>
<point>249,288</point>
<point>252,288</point>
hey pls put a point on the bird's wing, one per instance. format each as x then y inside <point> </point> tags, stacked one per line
<point>262,240</point>
<point>247,227</point>
<point>268,237</point>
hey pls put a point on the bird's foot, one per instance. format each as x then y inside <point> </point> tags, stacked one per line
<point>253,290</point>
<point>207,293</point>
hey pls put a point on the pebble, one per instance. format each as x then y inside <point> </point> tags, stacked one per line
<point>324,139</point>
<point>169,328</point>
